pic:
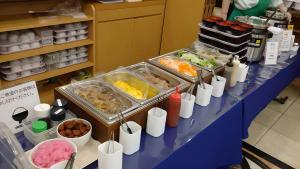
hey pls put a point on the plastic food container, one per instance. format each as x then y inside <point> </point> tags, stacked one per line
<point>70,32</point>
<point>225,36</point>
<point>222,44</point>
<point>8,47</point>
<point>209,22</point>
<point>223,26</point>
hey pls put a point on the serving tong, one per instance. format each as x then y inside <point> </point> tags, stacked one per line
<point>70,162</point>
<point>215,75</point>
<point>122,122</point>
<point>111,144</point>
<point>200,78</point>
<point>190,92</point>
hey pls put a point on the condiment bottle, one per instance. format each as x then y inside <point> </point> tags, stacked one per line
<point>57,115</point>
<point>235,71</point>
<point>174,103</point>
<point>228,72</point>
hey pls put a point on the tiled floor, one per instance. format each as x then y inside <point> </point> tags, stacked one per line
<point>276,130</point>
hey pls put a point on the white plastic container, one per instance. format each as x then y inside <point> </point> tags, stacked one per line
<point>156,122</point>
<point>218,86</point>
<point>242,73</point>
<point>187,105</point>
<point>110,159</point>
<point>203,95</point>
<point>42,110</point>
<point>130,142</point>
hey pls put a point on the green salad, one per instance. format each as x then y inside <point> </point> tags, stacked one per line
<point>208,63</point>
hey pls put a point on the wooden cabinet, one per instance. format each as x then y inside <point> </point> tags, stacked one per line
<point>181,24</point>
<point>113,45</point>
<point>146,37</point>
<point>127,33</point>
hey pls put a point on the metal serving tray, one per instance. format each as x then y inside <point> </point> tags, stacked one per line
<point>148,91</point>
<point>89,102</point>
<point>143,68</point>
<point>155,61</point>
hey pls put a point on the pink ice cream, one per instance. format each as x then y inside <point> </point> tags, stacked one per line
<point>52,152</point>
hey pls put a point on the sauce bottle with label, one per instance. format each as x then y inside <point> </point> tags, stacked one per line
<point>174,103</point>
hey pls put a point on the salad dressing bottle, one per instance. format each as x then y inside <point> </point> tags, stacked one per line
<point>174,103</point>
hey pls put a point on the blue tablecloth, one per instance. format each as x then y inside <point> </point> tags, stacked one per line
<point>212,137</point>
<point>263,84</point>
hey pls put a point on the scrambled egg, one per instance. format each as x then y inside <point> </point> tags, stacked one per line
<point>125,87</point>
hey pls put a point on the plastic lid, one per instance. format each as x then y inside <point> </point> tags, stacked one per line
<point>39,126</point>
<point>12,154</point>
<point>57,114</point>
<point>61,103</point>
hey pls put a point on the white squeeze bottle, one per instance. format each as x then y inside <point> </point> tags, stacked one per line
<point>235,69</point>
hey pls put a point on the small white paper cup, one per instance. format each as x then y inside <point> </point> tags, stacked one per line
<point>203,96</point>
<point>156,122</point>
<point>110,157</point>
<point>218,86</point>
<point>130,142</point>
<point>187,105</point>
<point>242,73</point>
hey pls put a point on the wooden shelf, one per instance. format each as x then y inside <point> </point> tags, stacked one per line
<point>295,13</point>
<point>48,74</point>
<point>122,5</point>
<point>43,50</point>
<point>19,22</point>
<point>296,30</point>
<point>46,92</point>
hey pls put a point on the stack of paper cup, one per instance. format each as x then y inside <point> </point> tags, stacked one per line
<point>242,72</point>
<point>110,155</point>
<point>187,105</point>
<point>218,84</point>
<point>203,95</point>
<point>130,142</point>
<point>156,122</point>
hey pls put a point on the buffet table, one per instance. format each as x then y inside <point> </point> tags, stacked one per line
<point>212,137</point>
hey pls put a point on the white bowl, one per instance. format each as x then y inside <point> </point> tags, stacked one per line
<point>24,38</point>
<point>17,68</point>
<point>3,36</point>
<point>69,26</point>
<point>35,148</point>
<point>71,33</point>
<point>80,31</point>
<point>15,48</point>
<point>61,40</point>
<point>61,34</point>
<point>25,46</point>
<point>13,37</point>
<point>11,76</point>
<point>26,73</point>
<point>35,45</point>
<point>61,165</point>
<point>72,38</point>
<point>79,141</point>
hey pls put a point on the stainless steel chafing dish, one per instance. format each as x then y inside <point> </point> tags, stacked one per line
<point>174,55</point>
<point>132,86</point>
<point>90,94</point>
<point>104,101</point>
<point>159,78</point>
